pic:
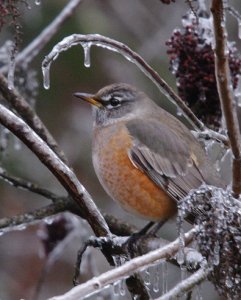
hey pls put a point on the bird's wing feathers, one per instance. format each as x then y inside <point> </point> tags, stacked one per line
<point>164,157</point>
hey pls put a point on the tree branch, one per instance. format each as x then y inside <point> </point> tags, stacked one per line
<point>225,93</point>
<point>98,283</point>
<point>65,176</point>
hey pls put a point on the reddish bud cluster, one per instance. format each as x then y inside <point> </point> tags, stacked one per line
<point>192,61</point>
<point>10,15</point>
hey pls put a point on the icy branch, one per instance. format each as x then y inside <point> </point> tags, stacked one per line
<point>27,185</point>
<point>86,41</point>
<point>225,92</point>
<point>65,176</point>
<point>186,285</point>
<point>98,283</point>
<point>20,221</point>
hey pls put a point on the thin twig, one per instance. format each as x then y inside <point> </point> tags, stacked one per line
<point>8,224</point>
<point>212,135</point>
<point>62,172</point>
<point>96,284</point>
<point>224,89</point>
<point>234,13</point>
<point>186,284</point>
<point>27,185</point>
<point>130,55</point>
<point>29,115</point>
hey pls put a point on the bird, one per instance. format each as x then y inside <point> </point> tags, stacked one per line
<point>144,157</point>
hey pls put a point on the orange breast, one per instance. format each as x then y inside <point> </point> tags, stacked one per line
<point>126,184</point>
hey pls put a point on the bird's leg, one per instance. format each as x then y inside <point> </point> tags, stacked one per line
<point>145,229</point>
<point>157,226</point>
<point>149,230</point>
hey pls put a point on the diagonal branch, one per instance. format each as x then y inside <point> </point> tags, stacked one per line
<point>225,92</point>
<point>63,173</point>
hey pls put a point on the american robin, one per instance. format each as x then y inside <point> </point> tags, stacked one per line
<point>144,157</point>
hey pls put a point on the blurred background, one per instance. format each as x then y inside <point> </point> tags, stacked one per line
<point>145,26</point>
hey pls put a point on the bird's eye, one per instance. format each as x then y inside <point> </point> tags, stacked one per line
<point>114,102</point>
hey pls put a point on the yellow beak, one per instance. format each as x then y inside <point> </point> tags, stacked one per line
<point>89,98</point>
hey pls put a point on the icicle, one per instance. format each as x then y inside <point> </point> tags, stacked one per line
<point>156,279</point>
<point>198,293</point>
<point>164,278</point>
<point>147,278</point>
<point>179,112</point>
<point>46,77</point>
<point>180,254</point>
<point>11,67</point>
<point>86,47</point>
<point>239,29</point>
<point>116,289</point>
<point>17,144</point>
<point>122,290</point>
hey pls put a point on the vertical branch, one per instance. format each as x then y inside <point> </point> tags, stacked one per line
<point>225,93</point>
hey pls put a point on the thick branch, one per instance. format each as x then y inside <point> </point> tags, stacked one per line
<point>65,176</point>
<point>98,283</point>
<point>225,93</point>
<point>29,115</point>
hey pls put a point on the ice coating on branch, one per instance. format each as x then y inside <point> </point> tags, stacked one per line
<point>86,47</point>
<point>11,66</point>
<point>218,236</point>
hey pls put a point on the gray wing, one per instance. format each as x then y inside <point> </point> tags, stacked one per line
<point>164,157</point>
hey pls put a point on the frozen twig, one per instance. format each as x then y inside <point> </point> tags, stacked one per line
<point>63,173</point>
<point>27,185</point>
<point>212,135</point>
<point>96,284</point>
<point>98,40</point>
<point>29,115</point>
<point>225,92</point>
<point>186,285</point>
<point>8,224</point>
